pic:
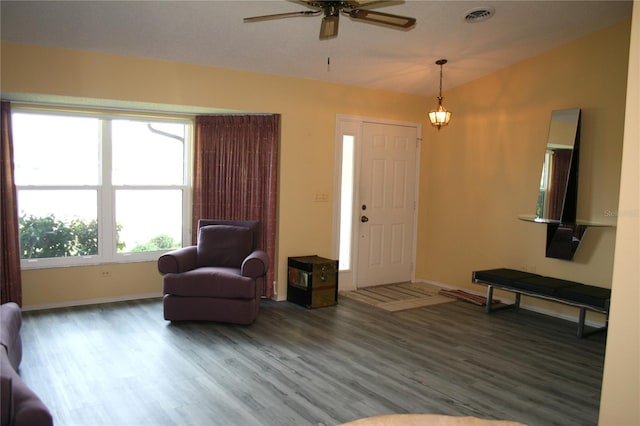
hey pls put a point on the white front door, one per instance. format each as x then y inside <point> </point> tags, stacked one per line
<point>386,209</point>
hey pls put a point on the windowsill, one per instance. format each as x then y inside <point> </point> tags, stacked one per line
<point>35,264</point>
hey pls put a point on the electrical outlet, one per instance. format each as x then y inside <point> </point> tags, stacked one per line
<point>104,274</point>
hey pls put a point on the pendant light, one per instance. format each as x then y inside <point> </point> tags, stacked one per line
<point>440,116</point>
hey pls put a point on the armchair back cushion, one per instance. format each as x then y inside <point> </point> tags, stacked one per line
<point>223,245</point>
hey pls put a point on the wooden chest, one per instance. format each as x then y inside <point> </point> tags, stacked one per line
<point>312,281</point>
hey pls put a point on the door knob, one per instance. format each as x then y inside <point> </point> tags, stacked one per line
<point>364,219</point>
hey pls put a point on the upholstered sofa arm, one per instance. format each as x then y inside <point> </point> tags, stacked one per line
<point>20,405</point>
<point>255,265</point>
<point>179,260</point>
<point>10,324</point>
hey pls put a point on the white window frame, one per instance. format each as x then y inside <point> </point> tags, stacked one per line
<point>106,191</point>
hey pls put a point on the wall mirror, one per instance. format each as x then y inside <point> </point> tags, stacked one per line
<point>557,198</point>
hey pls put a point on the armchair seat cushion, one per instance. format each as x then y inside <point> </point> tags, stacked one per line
<point>220,282</point>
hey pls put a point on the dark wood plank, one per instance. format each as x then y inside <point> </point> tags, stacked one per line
<point>122,364</point>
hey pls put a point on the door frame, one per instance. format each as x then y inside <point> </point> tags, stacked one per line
<point>352,125</point>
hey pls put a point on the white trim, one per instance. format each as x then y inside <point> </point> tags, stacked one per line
<point>87,302</point>
<point>106,191</point>
<point>353,128</point>
<point>350,277</point>
<point>364,119</point>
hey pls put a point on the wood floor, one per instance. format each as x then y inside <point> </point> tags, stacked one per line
<point>122,364</point>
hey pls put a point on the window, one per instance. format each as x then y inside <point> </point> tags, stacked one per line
<point>98,188</point>
<point>346,201</point>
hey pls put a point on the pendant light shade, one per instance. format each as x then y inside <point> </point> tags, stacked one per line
<point>440,116</point>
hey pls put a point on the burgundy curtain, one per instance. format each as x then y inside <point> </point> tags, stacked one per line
<point>235,175</point>
<point>11,285</point>
<point>560,163</point>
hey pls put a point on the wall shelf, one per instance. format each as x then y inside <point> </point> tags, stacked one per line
<point>534,219</point>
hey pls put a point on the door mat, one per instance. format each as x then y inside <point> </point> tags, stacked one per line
<point>398,297</point>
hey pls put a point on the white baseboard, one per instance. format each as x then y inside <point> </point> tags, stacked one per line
<point>97,301</point>
<point>282,298</point>
<point>528,307</point>
<point>443,285</point>
<point>101,300</point>
<point>567,317</point>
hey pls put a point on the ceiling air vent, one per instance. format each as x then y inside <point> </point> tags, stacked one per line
<point>479,14</point>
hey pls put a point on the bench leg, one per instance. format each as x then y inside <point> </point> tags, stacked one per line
<point>581,318</point>
<point>489,298</point>
<point>581,331</point>
<point>490,308</point>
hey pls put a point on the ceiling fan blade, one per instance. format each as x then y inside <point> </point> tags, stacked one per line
<point>282,15</point>
<point>357,4</point>
<point>329,27</point>
<point>382,18</point>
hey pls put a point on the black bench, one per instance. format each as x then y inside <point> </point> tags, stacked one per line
<point>568,292</point>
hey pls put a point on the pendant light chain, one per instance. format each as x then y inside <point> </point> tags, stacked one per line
<point>440,95</point>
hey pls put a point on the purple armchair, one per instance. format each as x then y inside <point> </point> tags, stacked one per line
<point>219,279</point>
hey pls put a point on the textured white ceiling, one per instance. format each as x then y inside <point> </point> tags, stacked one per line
<point>212,33</point>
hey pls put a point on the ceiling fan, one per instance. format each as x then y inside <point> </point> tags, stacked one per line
<point>331,11</point>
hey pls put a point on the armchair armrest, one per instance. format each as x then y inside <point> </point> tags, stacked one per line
<point>255,265</point>
<point>179,260</point>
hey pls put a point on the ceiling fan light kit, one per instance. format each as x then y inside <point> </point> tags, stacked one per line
<point>440,116</point>
<point>329,27</point>
<point>353,9</point>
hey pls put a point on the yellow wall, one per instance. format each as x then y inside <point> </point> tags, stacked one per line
<point>477,175</point>
<point>620,399</point>
<point>488,159</point>
<point>308,111</point>
<point>88,284</point>
<point>484,170</point>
